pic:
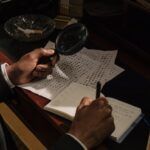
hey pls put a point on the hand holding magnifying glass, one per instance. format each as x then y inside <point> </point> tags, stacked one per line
<point>69,41</point>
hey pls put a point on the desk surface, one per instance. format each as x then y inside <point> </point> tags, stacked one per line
<point>132,86</point>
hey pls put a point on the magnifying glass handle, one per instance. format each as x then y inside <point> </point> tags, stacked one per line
<point>55,58</point>
<point>50,60</point>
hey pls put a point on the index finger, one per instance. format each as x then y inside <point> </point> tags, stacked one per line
<point>86,101</point>
<point>100,102</point>
<point>40,52</point>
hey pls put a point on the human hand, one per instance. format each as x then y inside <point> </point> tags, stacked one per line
<point>93,122</point>
<point>28,67</point>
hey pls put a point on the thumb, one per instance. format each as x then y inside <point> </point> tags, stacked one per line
<point>40,52</point>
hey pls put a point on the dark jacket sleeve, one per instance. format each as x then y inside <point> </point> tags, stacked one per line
<point>5,91</point>
<point>6,140</point>
<point>67,143</point>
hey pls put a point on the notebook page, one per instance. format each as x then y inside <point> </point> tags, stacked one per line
<point>124,116</point>
<point>66,102</point>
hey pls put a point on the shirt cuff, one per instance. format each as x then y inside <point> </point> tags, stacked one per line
<point>76,139</point>
<point>5,75</point>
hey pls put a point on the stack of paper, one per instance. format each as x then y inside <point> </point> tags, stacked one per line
<point>85,67</point>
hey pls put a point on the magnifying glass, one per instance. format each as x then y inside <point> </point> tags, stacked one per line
<point>70,40</point>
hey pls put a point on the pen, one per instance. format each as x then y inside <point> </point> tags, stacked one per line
<point>98,89</point>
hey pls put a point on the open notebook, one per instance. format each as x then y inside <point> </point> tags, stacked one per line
<point>65,104</point>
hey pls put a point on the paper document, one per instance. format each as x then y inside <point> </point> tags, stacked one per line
<point>85,67</point>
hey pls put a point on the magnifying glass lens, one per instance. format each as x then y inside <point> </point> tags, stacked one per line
<point>71,39</point>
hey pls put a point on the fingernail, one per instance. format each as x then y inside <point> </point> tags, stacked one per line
<point>50,51</point>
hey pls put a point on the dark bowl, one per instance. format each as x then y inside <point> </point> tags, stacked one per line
<point>29,27</point>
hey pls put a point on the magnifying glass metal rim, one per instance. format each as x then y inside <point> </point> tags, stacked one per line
<point>78,44</point>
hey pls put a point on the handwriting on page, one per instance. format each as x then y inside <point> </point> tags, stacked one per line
<point>100,72</point>
<point>115,70</point>
<point>124,115</point>
<point>85,67</point>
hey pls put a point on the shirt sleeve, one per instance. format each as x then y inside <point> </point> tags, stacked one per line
<point>72,136</point>
<point>5,90</point>
<point>5,75</point>
<point>67,142</point>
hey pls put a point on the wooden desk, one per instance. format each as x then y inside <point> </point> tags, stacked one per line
<point>25,138</point>
<point>49,127</point>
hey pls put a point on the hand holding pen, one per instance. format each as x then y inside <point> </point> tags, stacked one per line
<point>98,96</point>
<point>95,117</point>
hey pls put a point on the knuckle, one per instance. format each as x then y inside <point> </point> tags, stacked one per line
<point>29,56</point>
<point>42,50</point>
<point>97,102</point>
<point>108,111</point>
